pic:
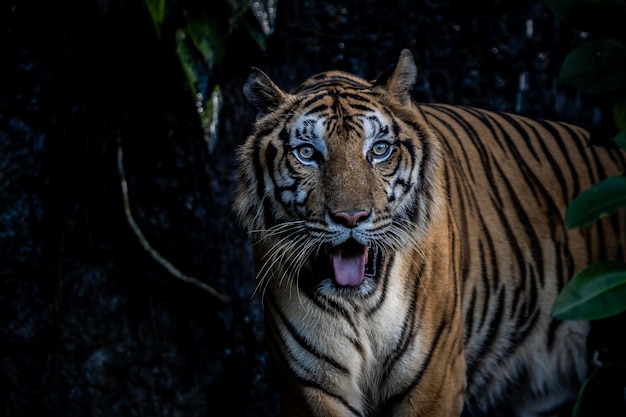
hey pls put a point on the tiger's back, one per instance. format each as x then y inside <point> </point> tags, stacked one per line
<point>408,255</point>
<point>509,180</point>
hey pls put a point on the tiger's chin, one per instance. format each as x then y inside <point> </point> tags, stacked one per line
<point>347,270</point>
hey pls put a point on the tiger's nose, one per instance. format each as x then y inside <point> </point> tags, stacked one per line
<point>350,218</point>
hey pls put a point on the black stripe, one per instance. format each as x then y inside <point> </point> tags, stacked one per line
<point>382,294</point>
<point>258,168</point>
<point>288,388</point>
<point>311,384</point>
<point>487,120</point>
<point>535,242</point>
<point>407,336</point>
<point>487,343</point>
<point>275,341</point>
<point>484,275</point>
<point>312,99</point>
<point>579,143</point>
<point>556,169</point>
<point>304,344</point>
<point>363,108</point>
<point>398,398</point>
<point>333,80</point>
<point>317,109</point>
<point>469,314</point>
<point>514,121</point>
<point>359,97</point>
<point>444,138</point>
<point>332,308</point>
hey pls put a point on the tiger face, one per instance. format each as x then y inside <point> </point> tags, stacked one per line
<point>336,177</point>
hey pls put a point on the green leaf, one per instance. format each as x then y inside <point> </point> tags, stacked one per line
<point>209,112</point>
<point>254,33</point>
<point>208,36</point>
<point>207,95</point>
<point>619,110</point>
<point>609,375</point>
<point>237,12</point>
<point>600,200</point>
<point>596,292</point>
<point>157,12</point>
<point>620,139</point>
<point>596,66</point>
<point>191,67</point>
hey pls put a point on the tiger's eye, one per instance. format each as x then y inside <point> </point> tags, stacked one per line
<point>306,151</point>
<point>381,149</point>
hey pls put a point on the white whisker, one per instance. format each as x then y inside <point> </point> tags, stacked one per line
<point>290,246</point>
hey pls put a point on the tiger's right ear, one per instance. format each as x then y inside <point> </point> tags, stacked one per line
<point>261,92</point>
<point>401,79</point>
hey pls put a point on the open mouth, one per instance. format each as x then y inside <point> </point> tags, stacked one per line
<point>349,263</point>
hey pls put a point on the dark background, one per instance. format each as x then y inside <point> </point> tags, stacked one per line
<point>90,323</point>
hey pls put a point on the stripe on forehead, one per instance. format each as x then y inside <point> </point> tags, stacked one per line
<point>339,99</point>
<point>315,127</point>
<point>327,80</point>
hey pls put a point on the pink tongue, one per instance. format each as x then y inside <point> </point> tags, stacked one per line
<point>349,266</point>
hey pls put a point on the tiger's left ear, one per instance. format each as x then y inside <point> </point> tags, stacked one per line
<point>261,92</point>
<point>402,78</point>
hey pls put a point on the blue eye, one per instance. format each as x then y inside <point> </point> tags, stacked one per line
<point>306,152</point>
<point>381,149</point>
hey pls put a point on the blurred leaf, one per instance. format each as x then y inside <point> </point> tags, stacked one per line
<point>209,112</point>
<point>255,34</point>
<point>208,37</point>
<point>619,110</point>
<point>620,139</point>
<point>157,12</point>
<point>596,66</point>
<point>611,374</point>
<point>199,77</point>
<point>598,201</point>
<point>187,60</point>
<point>202,39</point>
<point>237,10</point>
<point>600,17</point>
<point>596,292</point>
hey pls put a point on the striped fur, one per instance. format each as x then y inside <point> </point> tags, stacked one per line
<point>408,255</point>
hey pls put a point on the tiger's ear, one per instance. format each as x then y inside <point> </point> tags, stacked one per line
<point>261,92</point>
<point>401,79</point>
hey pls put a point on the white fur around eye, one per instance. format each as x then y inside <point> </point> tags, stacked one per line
<point>379,142</point>
<point>306,140</point>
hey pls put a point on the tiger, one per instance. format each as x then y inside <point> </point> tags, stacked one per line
<point>408,255</point>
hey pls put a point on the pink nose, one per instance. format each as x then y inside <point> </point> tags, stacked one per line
<point>350,218</point>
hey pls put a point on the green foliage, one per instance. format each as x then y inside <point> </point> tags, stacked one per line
<point>601,200</point>
<point>157,11</point>
<point>597,66</point>
<point>598,291</point>
<point>620,139</point>
<point>203,35</point>
<point>619,112</point>
<point>605,378</point>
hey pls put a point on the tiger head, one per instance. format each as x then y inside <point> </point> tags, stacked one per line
<point>336,176</point>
